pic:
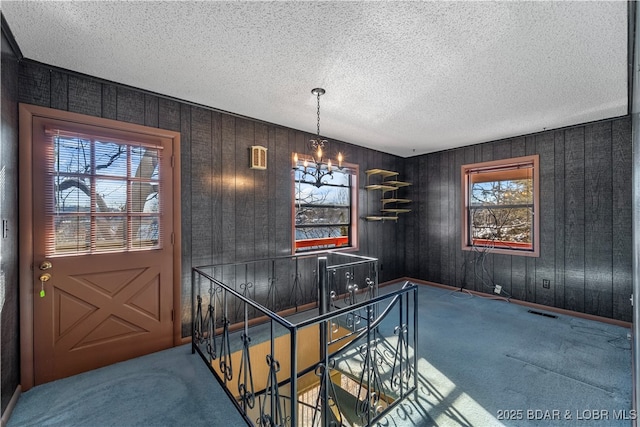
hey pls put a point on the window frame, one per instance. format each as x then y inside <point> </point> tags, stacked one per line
<point>353,170</point>
<point>493,166</point>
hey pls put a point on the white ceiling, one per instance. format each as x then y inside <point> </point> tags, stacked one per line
<point>405,78</point>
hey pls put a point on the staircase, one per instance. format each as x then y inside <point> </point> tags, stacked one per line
<point>347,358</point>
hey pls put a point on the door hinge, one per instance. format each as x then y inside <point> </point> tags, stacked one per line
<point>173,238</point>
<point>172,315</point>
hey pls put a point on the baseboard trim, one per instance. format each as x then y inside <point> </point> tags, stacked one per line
<point>566,312</point>
<point>12,404</point>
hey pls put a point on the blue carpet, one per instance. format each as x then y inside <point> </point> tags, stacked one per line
<point>168,388</point>
<point>485,362</point>
<point>482,363</point>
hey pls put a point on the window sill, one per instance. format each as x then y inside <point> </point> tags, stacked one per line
<point>503,251</point>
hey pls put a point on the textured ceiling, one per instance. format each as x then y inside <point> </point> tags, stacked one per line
<point>405,78</point>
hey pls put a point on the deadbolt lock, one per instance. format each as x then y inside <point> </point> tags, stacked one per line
<point>45,265</point>
<point>45,277</point>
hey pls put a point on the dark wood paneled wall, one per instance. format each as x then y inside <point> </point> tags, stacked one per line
<point>233,213</point>
<point>9,306</point>
<point>585,221</point>
<point>229,211</point>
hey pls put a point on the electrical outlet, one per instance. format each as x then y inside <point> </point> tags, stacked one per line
<point>546,283</point>
<point>497,289</point>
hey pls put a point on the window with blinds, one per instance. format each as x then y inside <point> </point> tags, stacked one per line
<point>501,205</point>
<point>104,195</point>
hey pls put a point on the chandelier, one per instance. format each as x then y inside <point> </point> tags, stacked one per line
<point>319,168</point>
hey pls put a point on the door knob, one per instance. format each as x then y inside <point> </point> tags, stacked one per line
<point>45,277</point>
<point>45,265</point>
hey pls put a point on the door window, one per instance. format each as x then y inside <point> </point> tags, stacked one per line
<point>105,195</point>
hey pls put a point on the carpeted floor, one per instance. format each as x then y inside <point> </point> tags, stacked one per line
<point>485,362</point>
<point>168,388</point>
<point>482,363</point>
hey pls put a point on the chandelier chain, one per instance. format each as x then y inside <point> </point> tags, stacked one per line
<point>318,116</point>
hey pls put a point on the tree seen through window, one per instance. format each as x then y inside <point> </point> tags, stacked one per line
<point>500,211</point>
<point>322,209</point>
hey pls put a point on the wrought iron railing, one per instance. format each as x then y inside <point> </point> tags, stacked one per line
<point>323,336</point>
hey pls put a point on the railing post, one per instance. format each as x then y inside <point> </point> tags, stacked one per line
<point>323,285</point>
<point>294,376</point>
<point>323,301</point>
<point>193,311</point>
<point>415,340</point>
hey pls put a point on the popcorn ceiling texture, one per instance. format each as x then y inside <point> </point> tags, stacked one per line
<point>405,78</point>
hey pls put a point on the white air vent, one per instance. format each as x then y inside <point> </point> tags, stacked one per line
<point>258,157</point>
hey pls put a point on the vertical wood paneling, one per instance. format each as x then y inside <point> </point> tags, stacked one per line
<point>184,117</point>
<point>217,178</point>
<point>109,102</point>
<point>201,186</point>
<point>559,218</point>
<point>228,188</point>
<point>433,217</point>
<point>410,222</point>
<point>185,188</point>
<point>518,147</point>
<point>545,264</point>
<point>530,277</point>
<point>59,90</point>
<point>574,219</point>
<point>457,244</point>
<point>10,308</point>
<point>284,196</point>
<point>261,193</point>
<point>168,114</point>
<point>34,85</point>
<point>363,197</point>
<point>151,111</point>
<point>130,107</point>
<point>85,96</point>
<point>274,163</point>
<point>621,219</point>
<point>469,278</point>
<point>598,238</point>
<point>452,235</point>
<point>445,217</point>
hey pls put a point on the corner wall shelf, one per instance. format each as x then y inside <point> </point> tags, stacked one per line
<point>392,205</point>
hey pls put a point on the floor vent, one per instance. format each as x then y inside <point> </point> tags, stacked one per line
<point>539,313</point>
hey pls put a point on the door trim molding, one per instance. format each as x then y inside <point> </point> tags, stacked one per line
<point>27,113</point>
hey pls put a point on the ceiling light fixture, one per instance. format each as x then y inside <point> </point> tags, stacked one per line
<point>319,169</point>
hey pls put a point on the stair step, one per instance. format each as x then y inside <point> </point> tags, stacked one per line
<point>347,403</point>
